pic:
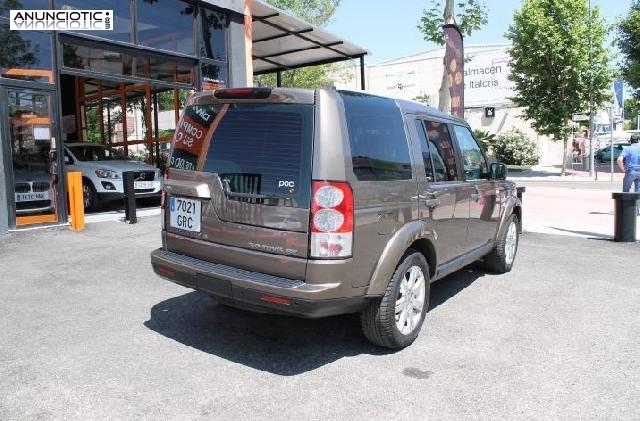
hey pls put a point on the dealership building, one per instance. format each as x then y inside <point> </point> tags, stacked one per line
<point>124,87</point>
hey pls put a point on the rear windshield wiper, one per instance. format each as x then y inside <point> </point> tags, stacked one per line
<point>229,193</point>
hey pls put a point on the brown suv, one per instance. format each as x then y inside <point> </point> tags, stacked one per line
<point>322,202</point>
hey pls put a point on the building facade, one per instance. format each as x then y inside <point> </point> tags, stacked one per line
<point>122,87</point>
<point>486,96</point>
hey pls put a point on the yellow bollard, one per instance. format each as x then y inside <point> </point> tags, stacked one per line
<point>76,203</point>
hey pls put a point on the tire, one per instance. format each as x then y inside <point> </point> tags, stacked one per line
<point>384,320</point>
<point>501,258</point>
<point>89,196</point>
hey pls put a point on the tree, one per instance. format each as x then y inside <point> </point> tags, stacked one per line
<point>422,97</point>
<point>632,112</point>
<point>558,59</point>
<point>472,16</point>
<point>629,43</point>
<point>315,12</point>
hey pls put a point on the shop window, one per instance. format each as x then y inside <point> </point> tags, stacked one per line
<point>125,62</point>
<point>121,16</point>
<point>166,25</point>
<point>34,172</point>
<point>213,37</point>
<point>85,57</point>
<point>26,55</point>
<point>22,5</point>
<point>170,70</point>
<point>214,75</point>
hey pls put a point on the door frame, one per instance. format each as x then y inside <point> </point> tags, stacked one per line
<point>6,150</point>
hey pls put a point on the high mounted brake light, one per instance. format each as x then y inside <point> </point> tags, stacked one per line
<point>243,93</point>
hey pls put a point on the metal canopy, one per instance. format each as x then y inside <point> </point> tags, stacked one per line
<point>282,42</point>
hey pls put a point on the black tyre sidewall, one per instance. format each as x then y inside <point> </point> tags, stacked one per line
<point>92,194</point>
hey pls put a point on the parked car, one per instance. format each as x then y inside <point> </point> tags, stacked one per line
<point>316,203</point>
<point>604,154</point>
<point>32,189</point>
<point>102,171</point>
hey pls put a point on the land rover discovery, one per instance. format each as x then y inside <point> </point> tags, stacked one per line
<point>321,202</point>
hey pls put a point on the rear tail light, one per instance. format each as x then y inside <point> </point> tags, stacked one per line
<point>331,219</point>
<point>163,200</point>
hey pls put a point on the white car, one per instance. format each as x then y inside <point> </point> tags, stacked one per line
<point>33,191</point>
<point>102,171</point>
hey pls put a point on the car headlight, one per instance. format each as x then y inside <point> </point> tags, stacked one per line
<point>103,173</point>
<point>158,174</point>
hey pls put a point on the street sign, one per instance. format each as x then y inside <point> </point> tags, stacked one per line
<point>490,111</point>
<point>580,117</point>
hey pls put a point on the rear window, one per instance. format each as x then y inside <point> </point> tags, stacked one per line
<point>256,149</point>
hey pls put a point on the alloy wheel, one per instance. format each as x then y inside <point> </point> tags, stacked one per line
<point>410,301</point>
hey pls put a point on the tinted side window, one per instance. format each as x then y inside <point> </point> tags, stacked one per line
<point>379,148</point>
<point>475,165</point>
<point>443,153</point>
<point>425,150</point>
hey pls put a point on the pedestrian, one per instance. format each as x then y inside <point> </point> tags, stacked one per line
<point>629,163</point>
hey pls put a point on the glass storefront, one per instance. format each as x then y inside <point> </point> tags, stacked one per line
<point>35,180</point>
<point>26,55</point>
<point>124,88</point>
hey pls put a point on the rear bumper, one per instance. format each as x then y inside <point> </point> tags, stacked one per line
<point>245,289</point>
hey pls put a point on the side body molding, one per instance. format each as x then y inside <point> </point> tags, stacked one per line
<point>393,252</point>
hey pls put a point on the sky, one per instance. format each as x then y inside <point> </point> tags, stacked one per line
<point>388,28</point>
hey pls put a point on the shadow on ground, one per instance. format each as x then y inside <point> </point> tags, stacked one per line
<point>590,235</point>
<point>278,344</point>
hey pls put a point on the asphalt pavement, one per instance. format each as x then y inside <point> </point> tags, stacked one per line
<point>89,332</point>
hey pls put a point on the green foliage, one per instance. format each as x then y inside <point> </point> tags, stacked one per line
<point>631,108</point>
<point>470,16</point>
<point>487,139</point>
<point>315,12</point>
<point>550,62</point>
<point>305,77</point>
<point>629,44</point>
<point>515,148</point>
<point>422,97</point>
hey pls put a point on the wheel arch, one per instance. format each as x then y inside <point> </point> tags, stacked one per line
<point>414,235</point>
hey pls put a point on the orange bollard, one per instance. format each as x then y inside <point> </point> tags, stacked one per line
<point>76,203</point>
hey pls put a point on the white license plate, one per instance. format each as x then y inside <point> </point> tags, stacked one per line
<point>29,197</point>
<point>138,185</point>
<point>184,213</point>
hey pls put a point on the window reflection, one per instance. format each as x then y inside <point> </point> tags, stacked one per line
<point>166,25</point>
<point>121,16</point>
<point>25,55</point>
<point>213,42</point>
<point>33,170</point>
<point>85,55</point>
<point>214,76</point>
<point>7,5</point>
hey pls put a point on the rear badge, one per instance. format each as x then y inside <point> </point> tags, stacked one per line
<point>288,185</point>
<point>272,249</point>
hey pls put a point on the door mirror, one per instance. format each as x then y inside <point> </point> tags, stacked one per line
<point>497,171</point>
